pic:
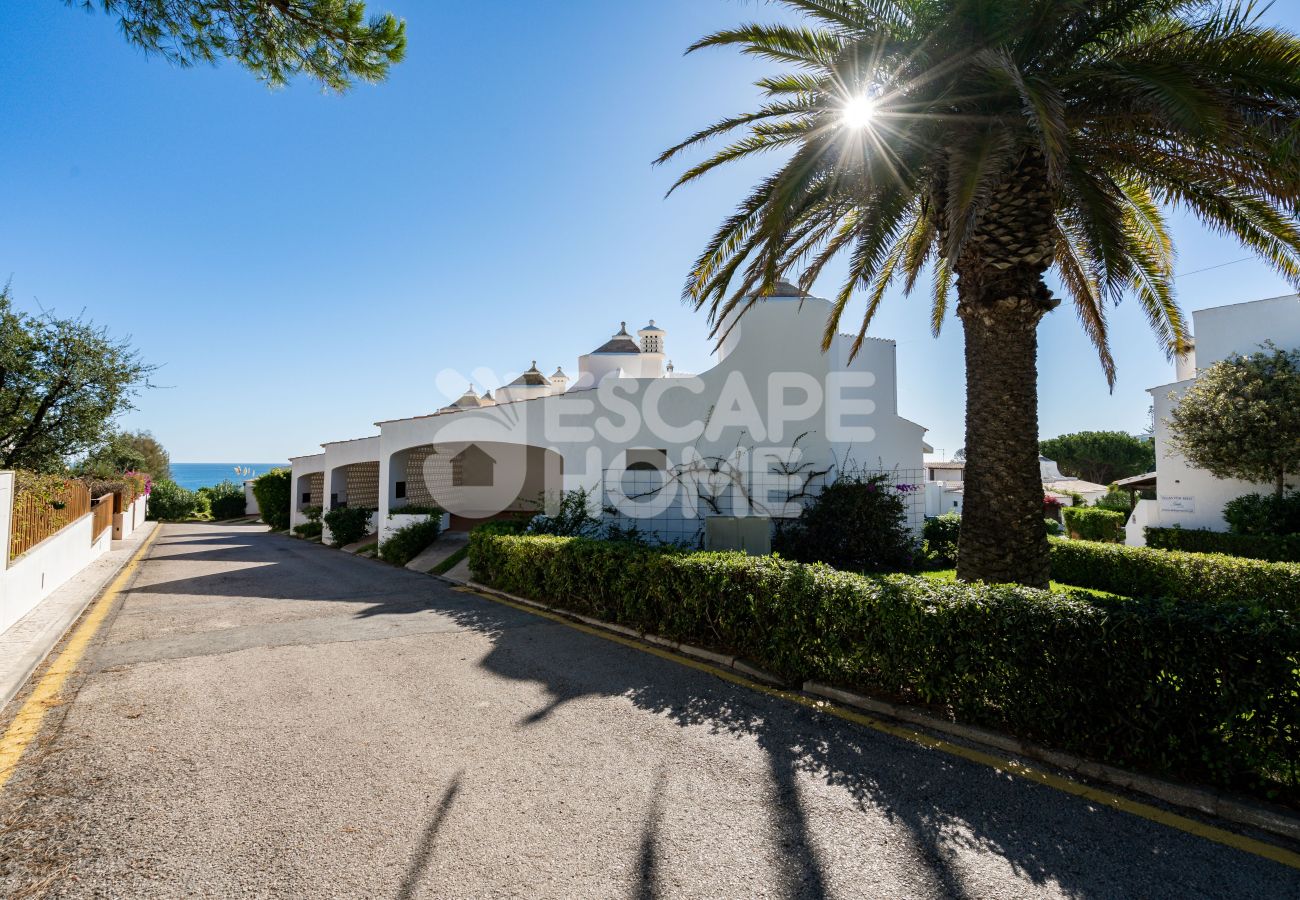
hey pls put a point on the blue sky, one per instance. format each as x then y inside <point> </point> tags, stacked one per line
<point>302,265</point>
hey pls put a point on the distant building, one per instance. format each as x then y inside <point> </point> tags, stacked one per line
<point>658,449</point>
<point>1187,496</point>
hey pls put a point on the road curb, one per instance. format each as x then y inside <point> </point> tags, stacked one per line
<point>1201,800</point>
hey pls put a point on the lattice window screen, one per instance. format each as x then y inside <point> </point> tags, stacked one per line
<point>362,480</point>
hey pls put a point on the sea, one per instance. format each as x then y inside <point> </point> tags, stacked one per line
<point>192,476</point>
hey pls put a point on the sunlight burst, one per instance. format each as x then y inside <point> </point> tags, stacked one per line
<point>858,112</point>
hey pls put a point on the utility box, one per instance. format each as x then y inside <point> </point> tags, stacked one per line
<point>749,534</point>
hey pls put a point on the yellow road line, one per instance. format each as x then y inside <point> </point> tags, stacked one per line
<point>27,723</point>
<point>1097,795</point>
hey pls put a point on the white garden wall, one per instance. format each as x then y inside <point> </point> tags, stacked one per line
<point>26,581</point>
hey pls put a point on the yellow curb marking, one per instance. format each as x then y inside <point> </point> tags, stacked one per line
<point>27,722</point>
<point>1011,767</point>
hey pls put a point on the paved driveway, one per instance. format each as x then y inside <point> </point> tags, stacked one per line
<point>263,717</point>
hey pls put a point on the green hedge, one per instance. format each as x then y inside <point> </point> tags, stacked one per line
<point>1211,578</point>
<point>1094,523</point>
<point>407,542</point>
<point>272,490</point>
<point>1187,690</point>
<point>1276,548</point>
<point>347,524</point>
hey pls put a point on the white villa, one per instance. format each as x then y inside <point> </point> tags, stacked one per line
<point>1185,496</point>
<point>945,487</point>
<point>702,459</point>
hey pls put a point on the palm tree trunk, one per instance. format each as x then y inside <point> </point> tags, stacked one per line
<point>1001,298</point>
<point>1002,534</point>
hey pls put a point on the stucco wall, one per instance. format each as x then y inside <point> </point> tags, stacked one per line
<point>46,567</point>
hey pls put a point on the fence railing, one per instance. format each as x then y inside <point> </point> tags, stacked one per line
<point>39,514</point>
<point>102,507</point>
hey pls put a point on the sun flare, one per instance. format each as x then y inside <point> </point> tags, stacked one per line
<point>858,112</point>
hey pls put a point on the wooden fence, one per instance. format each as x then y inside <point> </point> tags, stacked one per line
<point>41,514</point>
<point>102,507</point>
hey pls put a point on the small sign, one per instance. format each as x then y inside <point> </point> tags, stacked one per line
<point>1173,503</point>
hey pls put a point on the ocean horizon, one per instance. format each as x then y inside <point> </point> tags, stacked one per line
<point>193,476</point>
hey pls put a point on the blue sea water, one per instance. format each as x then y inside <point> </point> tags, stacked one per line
<point>196,475</point>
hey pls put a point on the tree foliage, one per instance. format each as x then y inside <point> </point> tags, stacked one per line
<point>273,492</point>
<point>1100,456</point>
<point>62,382</point>
<point>1241,418</point>
<point>990,143</point>
<point>127,451</point>
<point>331,41</point>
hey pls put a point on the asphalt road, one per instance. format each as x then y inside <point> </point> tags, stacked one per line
<point>263,717</point>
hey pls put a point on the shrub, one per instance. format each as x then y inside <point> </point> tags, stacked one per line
<point>1094,523</point>
<point>1205,578</point>
<point>1115,499</point>
<point>313,513</point>
<point>347,524</point>
<point>308,529</point>
<point>404,544</point>
<point>941,535</point>
<point>857,523</point>
<point>416,509</point>
<point>572,517</point>
<point>171,502</point>
<point>1277,548</point>
<point>1053,527</point>
<point>1187,690</point>
<point>273,491</point>
<point>1265,514</point>
<point>226,499</point>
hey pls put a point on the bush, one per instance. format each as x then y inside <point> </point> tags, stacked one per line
<point>1094,523</point>
<point>404,544</point>
<point>572,517</point>
<point>308,529</point>
<point>1053,527</point>
<point>1277,548</point>
<point>1206,578</point>
<point>171,502</point>
<point>416,509</point>
<point>1264,514</point>
<point>273,491</point>
<point>1185,690</point>
<point>313,513</point>
<point>347,524</point>
<point>226,500</point>
<point>1115,499</point>
<point>941,534</point>
<point>857,523</point>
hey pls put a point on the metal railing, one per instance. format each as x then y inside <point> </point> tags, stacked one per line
<point>39,515</point>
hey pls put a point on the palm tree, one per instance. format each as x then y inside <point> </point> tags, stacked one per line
<point>990,142</point>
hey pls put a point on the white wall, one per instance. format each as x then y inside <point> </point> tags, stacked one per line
<point>1190,497</point>
<point>776,336</point>
<point>250,500</point>
<point>301,466</point>
<point>45,568</point>
<point>1225,331</point>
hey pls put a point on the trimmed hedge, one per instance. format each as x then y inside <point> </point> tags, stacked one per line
<point>347,524</point>
<point>1275,548</point>
<point>407,542</point>
<point>1094,523</point>
<point>272,490</point>
<point>1193,691</point>
<point>1209,578</point>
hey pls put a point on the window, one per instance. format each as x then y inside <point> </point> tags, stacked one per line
<point>647,460</point>
<point>399,490</point>
<point>306,497</point>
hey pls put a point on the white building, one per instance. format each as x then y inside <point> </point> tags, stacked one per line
<point>678,456</point>
<point>945,486</point>
<point>1186,496</point>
